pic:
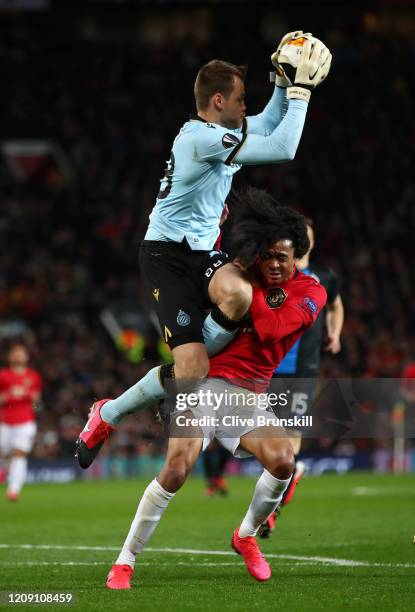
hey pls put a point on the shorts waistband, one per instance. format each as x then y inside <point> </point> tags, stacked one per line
<point>170,244</point>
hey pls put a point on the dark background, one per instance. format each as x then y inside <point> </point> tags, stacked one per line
<point>111,83</point>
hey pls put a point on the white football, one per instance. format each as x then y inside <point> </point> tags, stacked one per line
<point>291,52</point>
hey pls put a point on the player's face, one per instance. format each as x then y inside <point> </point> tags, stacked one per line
<point>233,107</point>
<point>277,264</point>
<point>18,356</point>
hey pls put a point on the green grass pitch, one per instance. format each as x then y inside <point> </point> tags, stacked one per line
<point>344,543</point>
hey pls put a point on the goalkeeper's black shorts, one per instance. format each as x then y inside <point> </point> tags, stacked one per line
<point>176,281</point>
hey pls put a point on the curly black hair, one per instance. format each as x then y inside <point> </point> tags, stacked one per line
<point>257,220</point>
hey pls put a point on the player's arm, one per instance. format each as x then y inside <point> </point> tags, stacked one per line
<point>334,322</point>
<point>36,388</point>
<point>217,144</point>
<point>299,312</point>
<point>335,313</point>
<point>265,123</point>
<point>213,143</point>
<point>281,145</point>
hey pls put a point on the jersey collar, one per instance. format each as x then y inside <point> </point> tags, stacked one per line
<point>293,274</point>
<point>193,117</point>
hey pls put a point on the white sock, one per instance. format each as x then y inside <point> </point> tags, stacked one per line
<point>149,512</point>
<point>267,497</point>
<point>17,474</point>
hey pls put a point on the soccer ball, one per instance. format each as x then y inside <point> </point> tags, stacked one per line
<point>290,55</point>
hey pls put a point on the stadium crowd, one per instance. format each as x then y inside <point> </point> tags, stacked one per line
<point>112,93</point>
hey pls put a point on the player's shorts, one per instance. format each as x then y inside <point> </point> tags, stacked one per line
<point>227,414</point>
<point>17,437</point>
<point>176,281</point>
<point>301,394</point>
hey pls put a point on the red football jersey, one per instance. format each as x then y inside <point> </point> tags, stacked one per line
<point>16,395</point>
<point>279,316</point>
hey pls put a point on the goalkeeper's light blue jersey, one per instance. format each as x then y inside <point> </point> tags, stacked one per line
<point>203,160</point>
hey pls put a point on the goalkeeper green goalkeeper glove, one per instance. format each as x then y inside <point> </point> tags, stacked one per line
<point>312,69</point>
<point>280,78</point>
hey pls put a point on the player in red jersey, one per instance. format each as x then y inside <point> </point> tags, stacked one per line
<point>20,388</point>
<point>267,239</point>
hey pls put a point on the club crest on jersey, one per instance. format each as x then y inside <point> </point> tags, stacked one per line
<point>276,297</point>
<point>230,140</point>
<point>183,319</point>
<point>156,294</point>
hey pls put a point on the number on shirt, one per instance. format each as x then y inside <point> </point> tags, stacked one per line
<point>168,176</point>
<point>299,403</point>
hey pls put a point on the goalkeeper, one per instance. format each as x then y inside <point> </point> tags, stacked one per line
<point>183,274</point>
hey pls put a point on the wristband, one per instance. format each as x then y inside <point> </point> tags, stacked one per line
<point>299,93</point>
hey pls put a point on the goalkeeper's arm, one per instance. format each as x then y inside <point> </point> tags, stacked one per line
<point>265,122</point>
<point>280,146</point>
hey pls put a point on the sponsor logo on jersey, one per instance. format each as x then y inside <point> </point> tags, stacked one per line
<point>230,140</point>
<point>183,318</point>
<point>276,297</point>
<point>310,305</point>
<point>167,334</point>
<point>311,76</point>
<point>217,264</point>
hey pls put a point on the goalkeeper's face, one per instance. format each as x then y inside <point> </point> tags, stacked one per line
<point>233,107</point>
